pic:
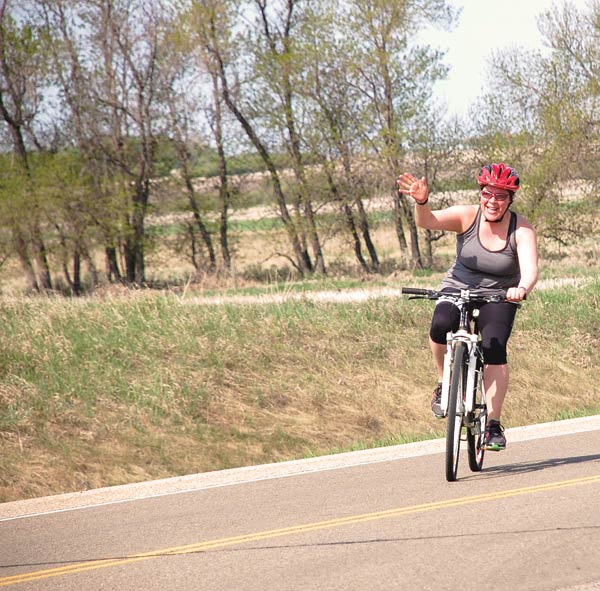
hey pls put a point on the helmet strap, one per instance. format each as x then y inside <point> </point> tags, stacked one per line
<point>494,221</point>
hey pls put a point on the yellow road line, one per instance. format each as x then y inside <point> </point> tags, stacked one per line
<point>293,530</point>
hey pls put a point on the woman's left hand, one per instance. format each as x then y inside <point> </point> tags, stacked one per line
<point>516,294</point>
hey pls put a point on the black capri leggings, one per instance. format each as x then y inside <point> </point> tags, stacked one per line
<point>495,324</point>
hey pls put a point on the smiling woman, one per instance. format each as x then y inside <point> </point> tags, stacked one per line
<point>495,203</point>
<point>496,254</point>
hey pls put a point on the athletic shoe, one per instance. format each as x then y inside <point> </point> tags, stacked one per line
<point>494,439</point>
<point>436,402</point>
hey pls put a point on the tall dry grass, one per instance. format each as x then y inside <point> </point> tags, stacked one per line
<point>103,391</point>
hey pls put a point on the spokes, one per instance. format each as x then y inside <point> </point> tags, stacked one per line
<point>455,410</point>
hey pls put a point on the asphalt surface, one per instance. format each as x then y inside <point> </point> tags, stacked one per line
<point>378,519</point>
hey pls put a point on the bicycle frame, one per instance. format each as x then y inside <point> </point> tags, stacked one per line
<point>464,334</point>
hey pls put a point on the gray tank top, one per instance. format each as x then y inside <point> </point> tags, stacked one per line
<point>477,267</point>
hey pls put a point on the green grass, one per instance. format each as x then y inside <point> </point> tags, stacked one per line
<point>297,287</point>
<point>578,413</point>
<point>391,440</point>
<point>178,229</point>
<point>265,224</point>
<point>96,392</point>
<point>569,307</point>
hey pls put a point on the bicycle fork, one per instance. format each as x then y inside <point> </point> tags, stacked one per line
<point>471,375</point>
<point>452,339</point>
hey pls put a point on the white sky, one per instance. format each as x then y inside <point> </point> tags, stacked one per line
<point>484,26</point>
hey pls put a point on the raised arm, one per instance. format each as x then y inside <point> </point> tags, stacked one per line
<point>453,219</point>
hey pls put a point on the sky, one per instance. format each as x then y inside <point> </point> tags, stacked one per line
<point>484,26</point>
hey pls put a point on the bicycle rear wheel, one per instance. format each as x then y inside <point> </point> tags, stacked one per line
<point>458,382</point>
<point>477,422</point>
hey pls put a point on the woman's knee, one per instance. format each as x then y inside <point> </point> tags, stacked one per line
<point>445,319</point>
<point>495,323</point>
<point>494,353</point>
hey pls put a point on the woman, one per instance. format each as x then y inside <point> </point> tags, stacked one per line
<point>496,251</point>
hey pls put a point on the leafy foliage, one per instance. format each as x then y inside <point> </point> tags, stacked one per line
<point>115,111</point>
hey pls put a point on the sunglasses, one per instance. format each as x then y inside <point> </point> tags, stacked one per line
<point>499,198</point>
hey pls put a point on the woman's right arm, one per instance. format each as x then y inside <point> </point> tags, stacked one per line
<point>457,218</point>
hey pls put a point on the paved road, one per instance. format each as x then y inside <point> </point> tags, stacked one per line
<point>379,519</point>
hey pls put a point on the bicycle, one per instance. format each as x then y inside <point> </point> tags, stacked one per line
<point>463,392</point>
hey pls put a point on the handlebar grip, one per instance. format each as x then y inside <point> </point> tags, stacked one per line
<point>416,291</point>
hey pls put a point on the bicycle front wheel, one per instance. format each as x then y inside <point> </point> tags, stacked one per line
<point>458,382</point>
<point>477,422</point>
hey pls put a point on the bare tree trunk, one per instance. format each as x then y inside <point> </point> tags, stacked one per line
<point>74,282</point>
<point>198,218</point>
<point>112,264</point>
<point>78,93</point>
<point>303,262</point>
<point>349,220</point>
<point>428,250</point>
<point>223,234</point>
<point>21,249</point>
<point>64,256</point>
<point>131,87</point>
<point>305,201</point>
<point>366,233</point>
<point>363,221</point>
<point>400,228</point>
<point>408,212</point>
<point>12,93</point>
<point>290,124</point>
<point>134,242</point>
<point>393,148</point>
<point>87,257</point>
<point>319,265</point>
<point>337,134</point>
<point>77,273</point>
<point>41,257</point>
<point>224,193</point>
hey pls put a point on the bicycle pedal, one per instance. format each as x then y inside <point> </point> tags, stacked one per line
<point>494,447</point>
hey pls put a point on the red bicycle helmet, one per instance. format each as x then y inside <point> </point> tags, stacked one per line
<point>500,176</point>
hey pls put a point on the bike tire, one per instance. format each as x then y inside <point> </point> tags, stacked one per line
<point>458,379</point>
<point>476,432</point>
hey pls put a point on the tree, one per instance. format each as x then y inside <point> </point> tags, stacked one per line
<point>22,79</point>
<point>108,68</point>
<point>193,22</point>
<point>214,32</point>
<point>278,63</point>
<point>436,149</point>
<point>547,118</point>
<point>332,119</point>
<point>180,103</point>
<point>396,77</point>
<point>104,202</point>
<point>68,189</point>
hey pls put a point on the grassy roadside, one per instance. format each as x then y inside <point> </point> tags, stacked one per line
<point>102,392</point>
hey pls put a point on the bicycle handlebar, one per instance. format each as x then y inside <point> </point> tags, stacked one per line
<point>474,294</point>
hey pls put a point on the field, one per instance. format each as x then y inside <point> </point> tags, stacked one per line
<point>126,386</point>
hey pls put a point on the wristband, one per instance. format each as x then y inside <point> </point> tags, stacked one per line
<point>422,202</point>
<point>524,288</point>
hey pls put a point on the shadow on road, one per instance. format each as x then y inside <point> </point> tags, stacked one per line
<point>248,548</point>
<point>527,467</point>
